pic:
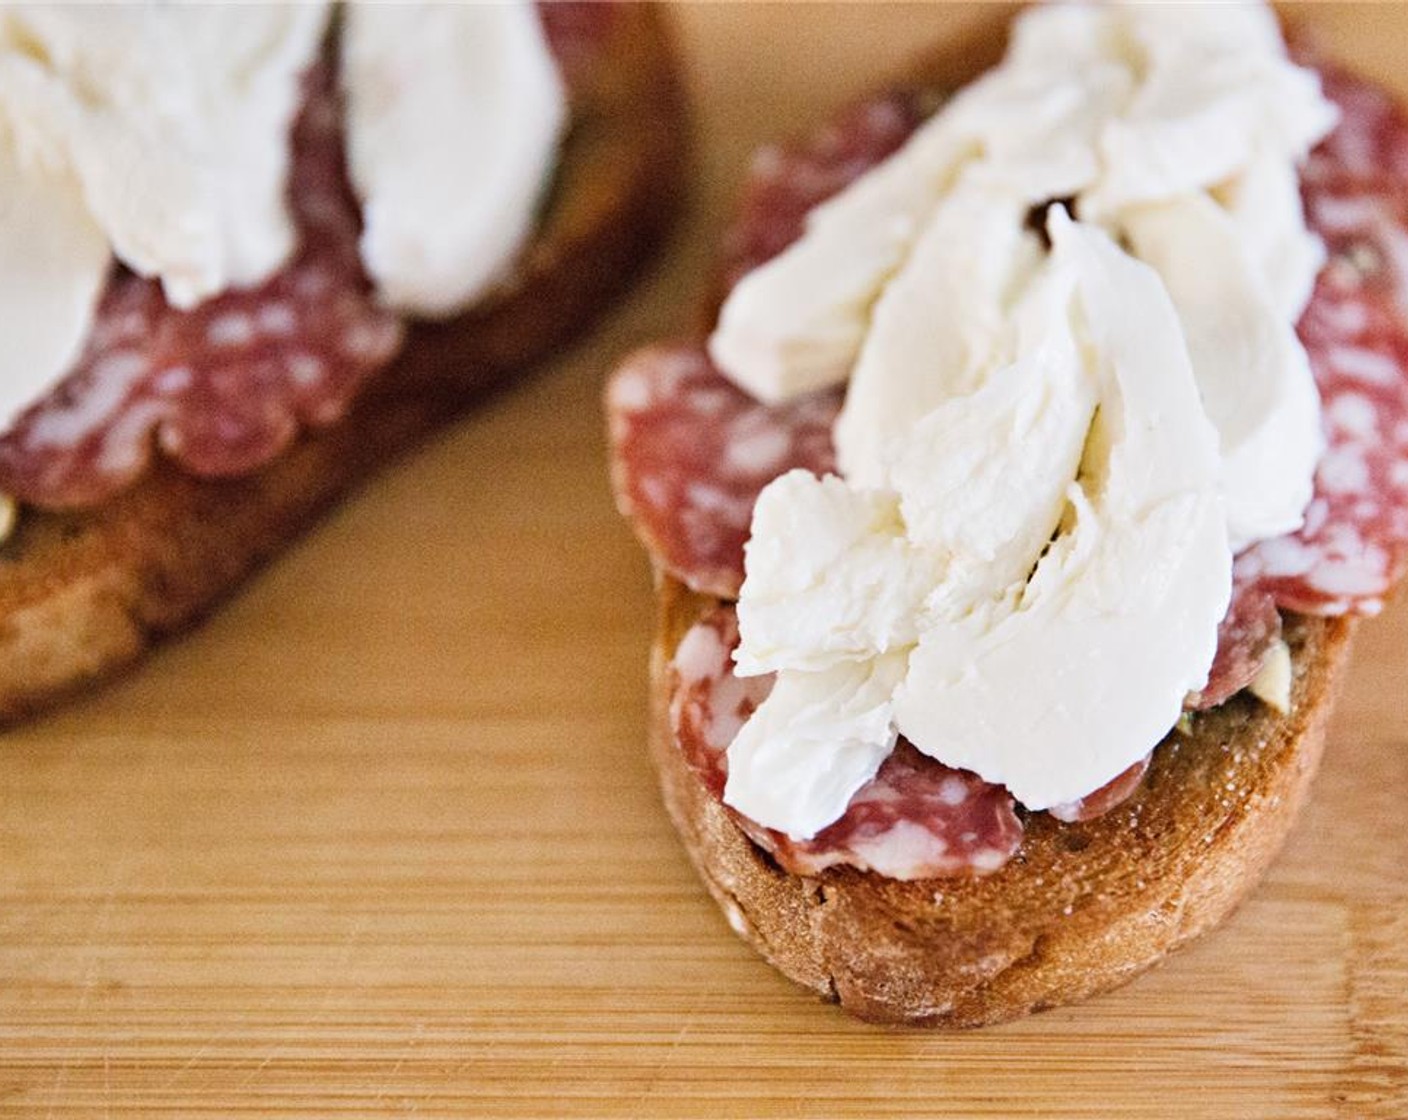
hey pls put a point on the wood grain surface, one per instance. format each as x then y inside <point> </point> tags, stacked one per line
<point>382,838</point>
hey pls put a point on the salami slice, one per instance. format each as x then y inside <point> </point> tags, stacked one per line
<point>1246,634</point>
<point>915,819</point>
<point>576,30</point>
<point>1114,792</point>
<point>1354,543</point>
<point>691,451</point>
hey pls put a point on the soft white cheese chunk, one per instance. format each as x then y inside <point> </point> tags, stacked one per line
<point>1265,204</point>
<point>158,133</point>
<point>174,120</point>
<point>47,304</point>
<point>1215,92</point>
<point>1252,371</point>
<point>982,478</point>
<point>812,743</point>
<point>978,488</point>
<point>797,322</point>
<point>855,591</point>
<point>1119,104</point>
<point>246,65</point>
<point>1119,622</point>
<point>455,112</point>
<point>941,325</point>
<point>1272,683</point>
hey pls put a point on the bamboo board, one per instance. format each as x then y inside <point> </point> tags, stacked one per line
<point>382,837</point>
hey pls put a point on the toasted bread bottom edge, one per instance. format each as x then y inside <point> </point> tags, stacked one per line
<point>84,594</point>
<point>1081,909</point>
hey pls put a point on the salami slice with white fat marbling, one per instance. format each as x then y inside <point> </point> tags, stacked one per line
<point>915,819</point>
<point>691,451</point>
<point>1245,636</point>
<point>222,388</point>
<point>1354,543</point>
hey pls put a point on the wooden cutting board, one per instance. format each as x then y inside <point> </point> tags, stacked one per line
<point>383,838</point>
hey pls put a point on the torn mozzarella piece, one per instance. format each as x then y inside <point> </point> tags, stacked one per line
<point>797,322</point>
<point>455,112</point>
<point>247,66</point>
<point>1265,205</point>
<point>1215,91</point>
<point>855,591</point>
<point>941,325</point>
<point>1088,671</point>
<point>156,133</point>
<point>982,478</point>
<point>173,120</point>
<point>815,740</point>
<point>45,306</point>
<point>1252,371</point>
<point>971,500</point>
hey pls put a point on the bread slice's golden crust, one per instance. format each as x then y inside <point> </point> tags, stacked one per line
<point>82,594</point>
<point>1081,909</point>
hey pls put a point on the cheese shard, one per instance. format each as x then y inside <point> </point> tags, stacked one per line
<point>1273,681</point>
<point>46,305</point>
<point>1252,372</point>
<point>174,120</point>
<point>857,590</point>
<point>455,112</point>
<point>1118,622</point>
<point>815,740</point>
<point>942,324</point>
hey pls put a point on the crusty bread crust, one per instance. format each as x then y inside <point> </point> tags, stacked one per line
<point>82,594</point>
<point>1081,909</point>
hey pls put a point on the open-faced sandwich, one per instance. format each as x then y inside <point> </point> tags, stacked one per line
<point>251,252</point>
<point>1011,524</point>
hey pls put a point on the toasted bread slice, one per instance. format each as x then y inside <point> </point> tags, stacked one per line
<point>1082,908</point>
<point>82,594</point>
